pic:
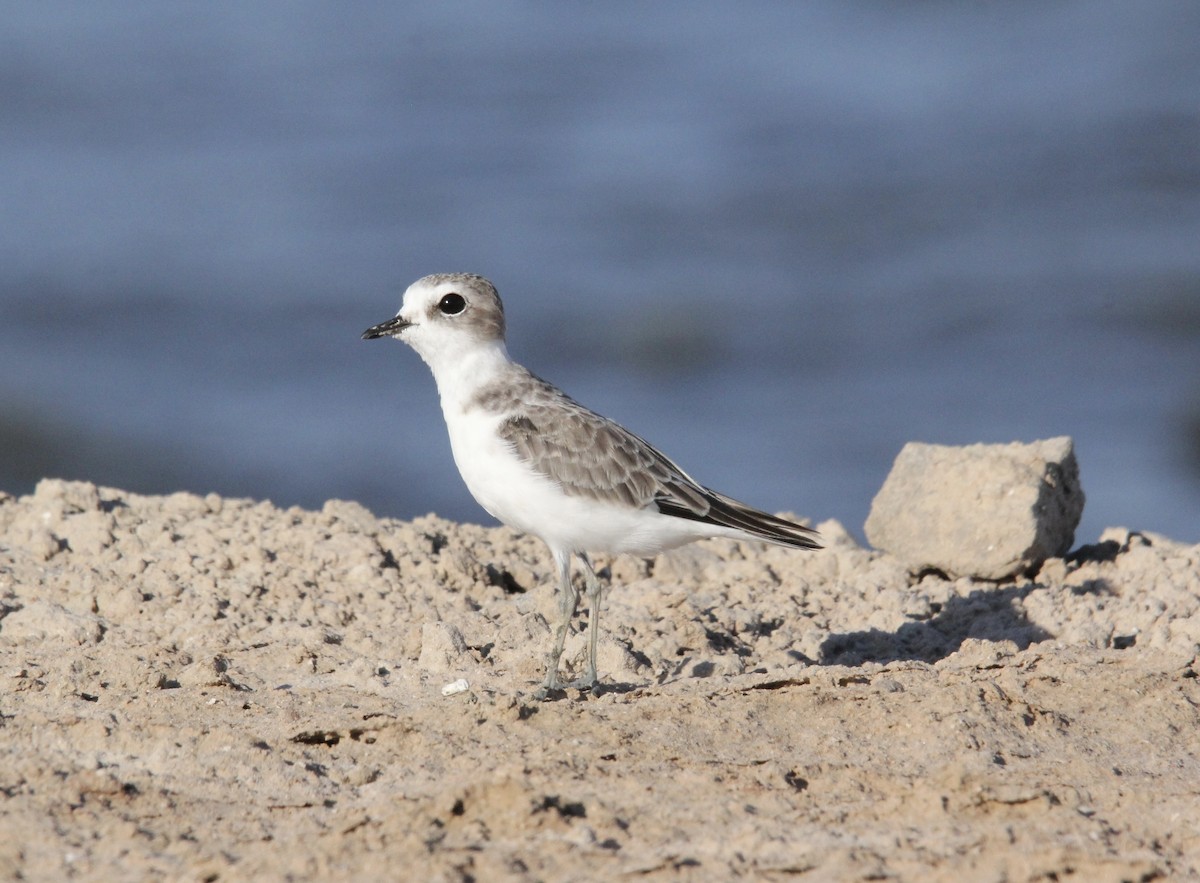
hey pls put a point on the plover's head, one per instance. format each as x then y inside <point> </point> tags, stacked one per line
<point>444,314</point>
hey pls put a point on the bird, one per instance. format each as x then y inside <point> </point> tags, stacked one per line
<point>540,462</point>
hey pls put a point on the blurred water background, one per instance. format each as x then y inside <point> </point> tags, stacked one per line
<point>777,240</point>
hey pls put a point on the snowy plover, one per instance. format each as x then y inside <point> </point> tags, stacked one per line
<point>542,463</point>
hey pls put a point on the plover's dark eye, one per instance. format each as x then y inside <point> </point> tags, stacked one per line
<point>452,304</point>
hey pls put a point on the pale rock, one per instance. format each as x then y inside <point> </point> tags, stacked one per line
<point>442,646</point>
<point>984,511</point>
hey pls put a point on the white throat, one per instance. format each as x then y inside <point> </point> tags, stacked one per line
<point>460,372</point>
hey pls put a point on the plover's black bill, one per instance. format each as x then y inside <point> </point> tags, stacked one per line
<point>390,328</point>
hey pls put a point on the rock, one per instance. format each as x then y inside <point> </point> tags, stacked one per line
<point>985,511</point>
<point>41,622</point>
<point>57,497</point>
<point>442,647</point>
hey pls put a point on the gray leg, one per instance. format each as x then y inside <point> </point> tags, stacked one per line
<point>593,591</point>
<point>568,600</point>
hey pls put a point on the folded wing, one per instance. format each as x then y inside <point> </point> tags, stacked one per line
<point>589,455</point>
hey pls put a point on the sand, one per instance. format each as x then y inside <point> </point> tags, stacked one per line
<point>217,689</point>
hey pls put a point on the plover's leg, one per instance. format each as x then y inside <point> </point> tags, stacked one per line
<point>568,600</point>
<point>593,590</point>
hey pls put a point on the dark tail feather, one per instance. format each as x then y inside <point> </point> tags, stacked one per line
<point>728,512</point>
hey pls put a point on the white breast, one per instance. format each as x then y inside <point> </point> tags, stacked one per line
<point>494,475</point>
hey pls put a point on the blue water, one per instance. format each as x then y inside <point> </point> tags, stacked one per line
<point>777,240</point>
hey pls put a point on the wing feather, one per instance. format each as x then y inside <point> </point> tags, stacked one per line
<point>589,455</point>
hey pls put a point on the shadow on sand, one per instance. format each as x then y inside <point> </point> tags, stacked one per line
<point>988,614</point>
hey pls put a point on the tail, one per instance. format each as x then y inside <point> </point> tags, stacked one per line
<point>727,512</point>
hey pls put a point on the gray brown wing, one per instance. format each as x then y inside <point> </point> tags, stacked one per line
<point>589,455</point>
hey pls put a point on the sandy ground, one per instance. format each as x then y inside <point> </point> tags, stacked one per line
<point>216,689</point>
